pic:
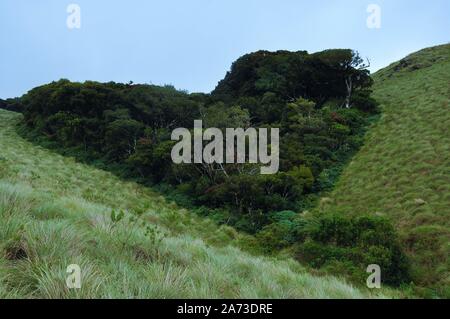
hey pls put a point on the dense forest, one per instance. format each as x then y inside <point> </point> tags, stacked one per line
<point>322,104</point>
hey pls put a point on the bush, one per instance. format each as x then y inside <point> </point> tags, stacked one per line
<point>334,239</point>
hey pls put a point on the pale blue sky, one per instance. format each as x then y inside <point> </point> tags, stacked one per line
<point>191,44</point>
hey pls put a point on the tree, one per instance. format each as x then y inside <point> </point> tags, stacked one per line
<point>121,138</point>
<point>356,75</point>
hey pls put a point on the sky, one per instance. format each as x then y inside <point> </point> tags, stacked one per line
<point>191,44</point>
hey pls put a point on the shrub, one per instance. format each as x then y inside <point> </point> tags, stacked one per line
<point>356,241</point>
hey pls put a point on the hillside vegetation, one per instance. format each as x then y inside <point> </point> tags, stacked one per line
<point>129,127</point>
<point>389,207</point>
<point>321,104</point>
<point>403,169</point>
<point>55,212</point>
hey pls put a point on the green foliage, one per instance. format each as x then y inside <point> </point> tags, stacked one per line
<point>333,239</point>
<point>136,223</point>
<point>117,217</point>
<point>121,137</point>
<point>282,232</point>
<point>13,105</point>
<point>290,75</point>
<point>222,116</point>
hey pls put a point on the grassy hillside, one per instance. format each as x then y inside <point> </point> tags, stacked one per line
<point>403,170</point>
<point>55,212</point>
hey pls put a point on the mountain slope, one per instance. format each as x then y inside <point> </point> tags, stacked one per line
<point>55,212</point>
<point>403,169</point>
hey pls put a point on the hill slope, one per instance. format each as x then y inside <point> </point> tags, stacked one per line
<point>55,212</point>
<point>403,169</point>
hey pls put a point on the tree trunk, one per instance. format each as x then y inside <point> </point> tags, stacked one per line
<point>349,85</point>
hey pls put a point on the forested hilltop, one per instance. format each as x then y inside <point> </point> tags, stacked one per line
<point>322,104</point>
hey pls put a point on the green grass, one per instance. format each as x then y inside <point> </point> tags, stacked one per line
<point>403,169</point>
<point>55,212</point>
